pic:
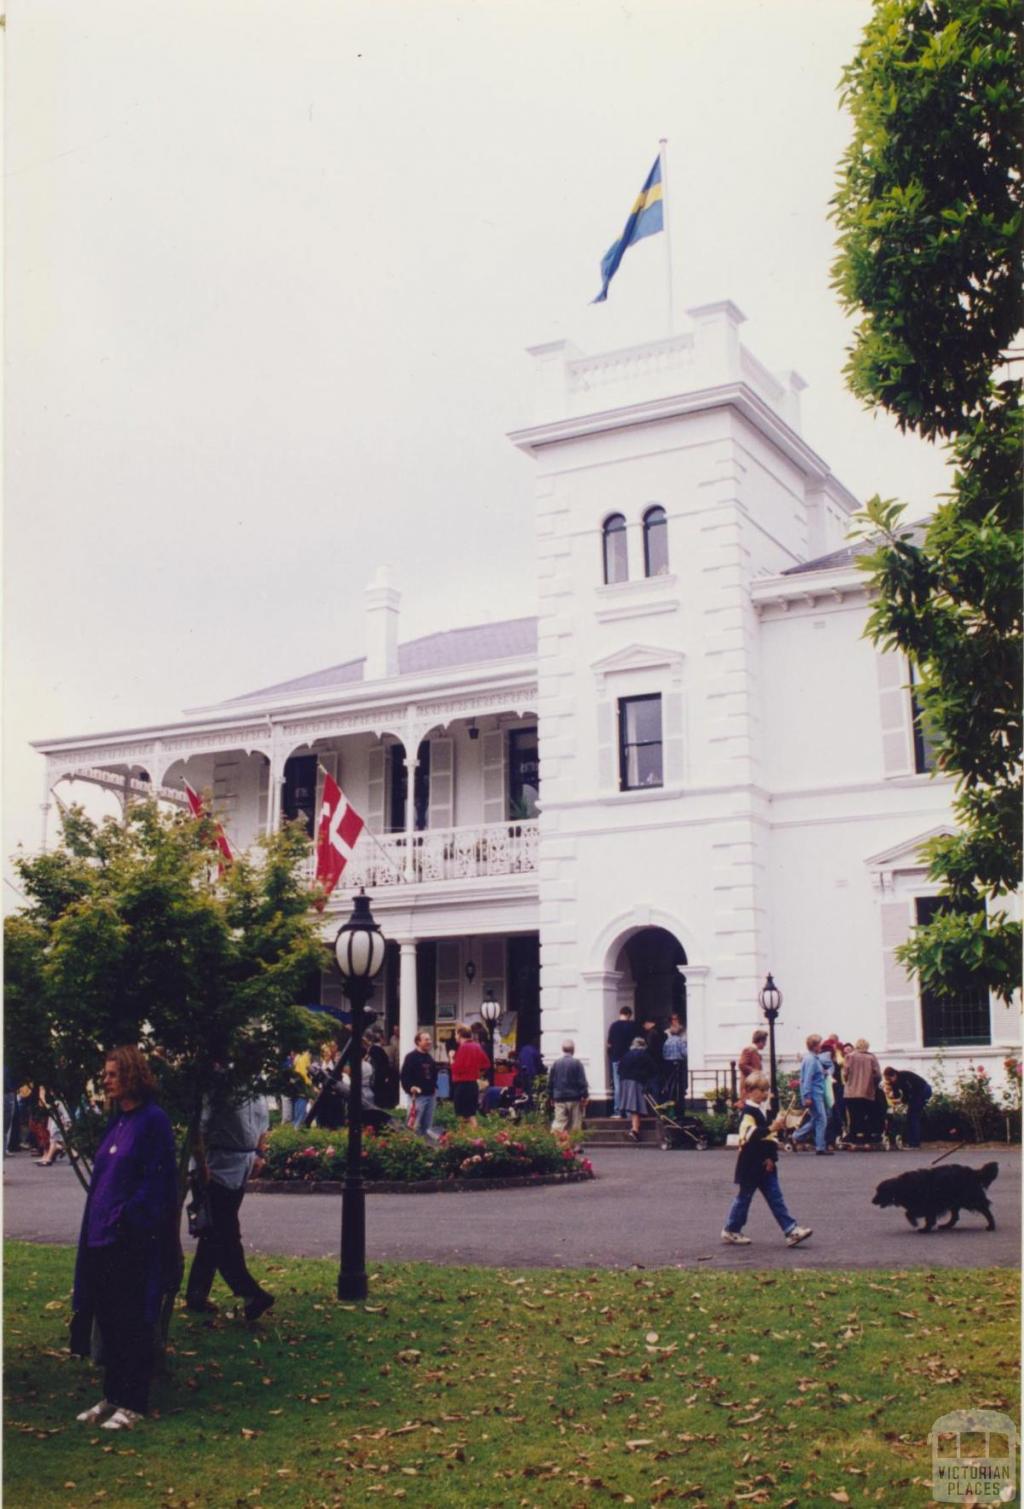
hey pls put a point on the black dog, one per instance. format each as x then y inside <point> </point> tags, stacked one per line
<point>924,1193</point>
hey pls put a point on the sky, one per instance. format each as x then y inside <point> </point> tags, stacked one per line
<point>271,272</point>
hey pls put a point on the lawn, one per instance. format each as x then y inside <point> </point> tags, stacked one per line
<point>478,1387</point>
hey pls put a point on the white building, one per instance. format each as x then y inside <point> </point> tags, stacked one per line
<point>690,767</point>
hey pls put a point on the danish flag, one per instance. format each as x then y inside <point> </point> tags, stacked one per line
<point>195,801</point>
<point>340,826</point>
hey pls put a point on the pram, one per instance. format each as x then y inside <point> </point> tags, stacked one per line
<point>676,1130</point>
<point>793,1118</point>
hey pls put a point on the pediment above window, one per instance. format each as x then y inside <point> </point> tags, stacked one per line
<point>639,657</point>
<point>902,859</point>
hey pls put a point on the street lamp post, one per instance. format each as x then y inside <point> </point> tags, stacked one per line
<point>359,950</point>
<point>490,1010</point>
<point>770,998</point>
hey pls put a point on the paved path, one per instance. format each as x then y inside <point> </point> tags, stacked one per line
<point>650,1208</point>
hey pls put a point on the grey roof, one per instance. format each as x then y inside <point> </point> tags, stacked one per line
<point>834,559</point>
<point>513,637</point>
<point>914,531</point>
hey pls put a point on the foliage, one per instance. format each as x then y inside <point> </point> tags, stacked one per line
<point>974,1098</point>
<point>717,1125</point>
<point>129,936</point>
<point>929,206</point>
<point>497,1149</point>
<point>487,1386</point>
<point>929,210</point>
<point>1012,1088</point>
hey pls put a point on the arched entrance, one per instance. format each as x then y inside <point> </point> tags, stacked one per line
<point>648,963</point>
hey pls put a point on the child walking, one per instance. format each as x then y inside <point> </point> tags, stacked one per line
<point>757,1168</point>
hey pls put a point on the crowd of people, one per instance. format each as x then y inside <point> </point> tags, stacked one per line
<point>846,1099</point>
<point>647,1063</point>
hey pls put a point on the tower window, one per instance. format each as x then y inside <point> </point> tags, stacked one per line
<point>655,542</point>
<point>640,746</point>
<point>616,565</point>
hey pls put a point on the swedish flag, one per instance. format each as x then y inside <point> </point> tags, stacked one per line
<point>646,218</point>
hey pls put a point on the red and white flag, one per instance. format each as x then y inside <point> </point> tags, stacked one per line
<point>195,801</point>
<point>340,826</point>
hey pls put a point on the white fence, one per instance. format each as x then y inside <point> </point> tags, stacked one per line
<point>508,848</point>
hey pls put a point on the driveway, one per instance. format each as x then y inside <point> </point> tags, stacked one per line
<point>645,1208</point>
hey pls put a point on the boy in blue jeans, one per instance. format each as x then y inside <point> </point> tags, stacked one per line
<point>757,1169</point>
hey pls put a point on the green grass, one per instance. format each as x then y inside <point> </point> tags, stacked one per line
<point>478,1387</point>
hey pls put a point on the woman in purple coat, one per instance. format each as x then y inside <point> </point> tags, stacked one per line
<point>129,1250</point>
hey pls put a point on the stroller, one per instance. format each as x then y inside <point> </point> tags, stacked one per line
<point>794,1117</point>
<point>676,1129</point>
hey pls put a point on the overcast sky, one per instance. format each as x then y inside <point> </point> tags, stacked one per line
<point>271,271</point>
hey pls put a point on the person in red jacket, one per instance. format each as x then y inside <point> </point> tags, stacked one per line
<point>469,1064</point>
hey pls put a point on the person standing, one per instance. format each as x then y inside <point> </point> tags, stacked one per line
<point>914,1092</point>
<point>620,1036</point>
<point>637,1071</point>
<point>233,1133</point>
<point>419,1081</point>
<point>862,1077</point>
<point>383,1075</point>
<point>530,1065</point>
<point>675,1054</point>
<point>129,1252</point>
<point>567,1086</point>
<point>469,1064</point>
<point>812,1096</point>
<point>750,1061</point>
<point>757,1168</point>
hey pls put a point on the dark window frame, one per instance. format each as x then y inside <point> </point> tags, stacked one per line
<point>962,1023</point>
<point>517,750</point>
<point>614,529</point>
<point>655,518</point>
<point>625,745</point>
<point>924,748</point>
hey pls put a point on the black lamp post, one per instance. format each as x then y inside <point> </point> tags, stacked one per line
<point>770,998</point>
<point>359,950</point>
<point>490,1010</point>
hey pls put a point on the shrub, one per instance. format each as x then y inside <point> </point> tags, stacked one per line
<point>497,1149</point>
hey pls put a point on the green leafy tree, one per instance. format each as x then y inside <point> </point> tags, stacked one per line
<point>929,209</point>
<point>130,935</point>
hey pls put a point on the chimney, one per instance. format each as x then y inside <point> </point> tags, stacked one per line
<point>382,600</point>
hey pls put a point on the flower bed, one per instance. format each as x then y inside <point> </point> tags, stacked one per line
<point>396,1155</point>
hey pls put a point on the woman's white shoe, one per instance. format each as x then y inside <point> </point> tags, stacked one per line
<point>97,1413</point>
<point>121,1419</point>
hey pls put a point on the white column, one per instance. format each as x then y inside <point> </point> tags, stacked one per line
<point>44,805</point>
<point>408,1010</point>
<point>696,977</point>
<point>410,820</point>
<point>601,997</point>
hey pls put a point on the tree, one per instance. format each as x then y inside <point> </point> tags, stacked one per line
<point>929,210</point>
<point>130,936</point>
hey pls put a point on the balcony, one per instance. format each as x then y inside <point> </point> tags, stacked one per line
<point>478,852</point>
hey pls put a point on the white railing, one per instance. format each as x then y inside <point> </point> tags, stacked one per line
<point>637,363</point>
<point>508,848</point>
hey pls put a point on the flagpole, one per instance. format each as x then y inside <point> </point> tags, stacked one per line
<point>663,155</point>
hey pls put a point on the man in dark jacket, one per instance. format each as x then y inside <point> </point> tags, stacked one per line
<point>906,1086</point>
<point>419,1081</point>
<point>567,1086</point>
<point>620,1035</point>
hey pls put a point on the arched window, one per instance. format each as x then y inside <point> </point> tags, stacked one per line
<point>655,542</point>
<point>616,566</point>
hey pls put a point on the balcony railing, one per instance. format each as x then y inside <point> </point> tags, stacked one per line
<point>508,848</point>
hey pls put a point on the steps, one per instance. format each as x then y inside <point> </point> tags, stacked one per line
<point>605,1131</point>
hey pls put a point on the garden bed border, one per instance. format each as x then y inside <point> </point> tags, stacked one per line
<point>411,1186</point>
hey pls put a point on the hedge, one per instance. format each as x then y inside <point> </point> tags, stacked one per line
<point>396,1154</point>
